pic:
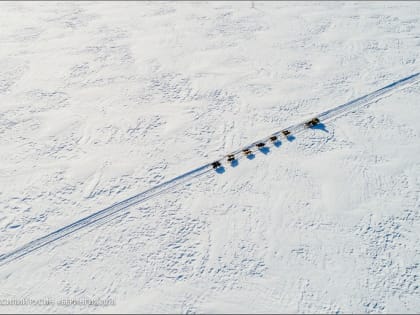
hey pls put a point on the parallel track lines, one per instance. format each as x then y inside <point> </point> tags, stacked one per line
<point>116,210</point>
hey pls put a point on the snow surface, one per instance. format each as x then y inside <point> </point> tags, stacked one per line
<point>101,101</point>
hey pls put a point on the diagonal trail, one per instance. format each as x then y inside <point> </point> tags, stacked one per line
<point>121,208</point>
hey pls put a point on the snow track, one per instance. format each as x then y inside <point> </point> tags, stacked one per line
<point>119,209</point>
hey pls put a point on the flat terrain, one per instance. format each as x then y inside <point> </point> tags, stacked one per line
<point>101,101</point>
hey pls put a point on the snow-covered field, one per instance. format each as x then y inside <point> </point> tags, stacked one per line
<point>101,101</point>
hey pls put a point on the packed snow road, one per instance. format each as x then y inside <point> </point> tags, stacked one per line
<point>115,210</point>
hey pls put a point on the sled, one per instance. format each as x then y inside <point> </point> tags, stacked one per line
<point>312,122</point>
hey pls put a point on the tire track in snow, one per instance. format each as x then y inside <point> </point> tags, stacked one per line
<point>117,210</point>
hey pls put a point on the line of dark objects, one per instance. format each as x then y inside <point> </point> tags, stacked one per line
<point>261,146</point>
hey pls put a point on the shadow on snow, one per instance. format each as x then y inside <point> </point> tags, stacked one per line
<point>265,150</point>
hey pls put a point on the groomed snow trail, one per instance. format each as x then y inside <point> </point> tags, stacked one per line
<point>118,209</point>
